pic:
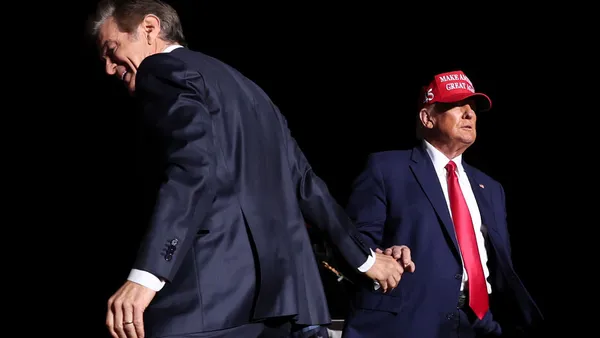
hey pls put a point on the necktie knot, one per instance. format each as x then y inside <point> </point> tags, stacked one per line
<point>451,167</point>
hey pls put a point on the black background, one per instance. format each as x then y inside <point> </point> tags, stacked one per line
<point>348,85</point>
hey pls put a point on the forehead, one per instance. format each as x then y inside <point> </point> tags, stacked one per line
<point>108,31</point>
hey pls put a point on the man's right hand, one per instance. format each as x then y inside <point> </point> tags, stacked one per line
<point>386,271</point>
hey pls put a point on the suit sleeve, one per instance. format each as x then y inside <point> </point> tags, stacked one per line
<point>172,101</point>
<point>367,204</point>
<point>319,208</point>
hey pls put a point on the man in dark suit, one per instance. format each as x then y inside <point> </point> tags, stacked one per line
<point>226,253</point>
<point>452,216</point>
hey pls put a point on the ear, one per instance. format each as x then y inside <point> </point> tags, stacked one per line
<point>426,119</point>
<point>151,28</point>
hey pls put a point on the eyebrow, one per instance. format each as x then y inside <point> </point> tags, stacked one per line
<point>103,49</point>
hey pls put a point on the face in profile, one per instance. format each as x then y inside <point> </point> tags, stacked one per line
<point>454,123</point>
<point>122,52</point>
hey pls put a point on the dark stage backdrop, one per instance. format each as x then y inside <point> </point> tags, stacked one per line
<point>344,98</point>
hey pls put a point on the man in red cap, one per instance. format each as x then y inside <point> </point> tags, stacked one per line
<point>452,216</point>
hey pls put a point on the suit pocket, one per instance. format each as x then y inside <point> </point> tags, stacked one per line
<point>202,232</point>
<point>379,302</point>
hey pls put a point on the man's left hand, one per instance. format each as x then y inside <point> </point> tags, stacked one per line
<point>125,316</point>
<point>401,253</point>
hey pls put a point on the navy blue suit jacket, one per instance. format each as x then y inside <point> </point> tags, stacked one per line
<point>398,200</point>
<point>227,231</point>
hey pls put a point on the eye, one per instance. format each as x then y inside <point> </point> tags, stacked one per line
<point>108,52</point>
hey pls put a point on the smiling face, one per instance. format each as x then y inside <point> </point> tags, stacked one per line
<point>450,127</point>
<point>124,52</point>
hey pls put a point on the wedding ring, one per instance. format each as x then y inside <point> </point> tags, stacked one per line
<point>127,323</point>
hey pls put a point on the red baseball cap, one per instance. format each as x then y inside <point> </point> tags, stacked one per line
<point>453,87</point>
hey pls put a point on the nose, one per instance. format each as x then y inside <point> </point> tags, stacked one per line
<point>469,111</point>
<point>111,68</point>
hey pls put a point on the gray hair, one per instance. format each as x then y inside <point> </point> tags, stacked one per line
<point>128,14</point>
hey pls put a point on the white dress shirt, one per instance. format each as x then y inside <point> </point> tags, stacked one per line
<point>150,281</point>
<point>439,163</point>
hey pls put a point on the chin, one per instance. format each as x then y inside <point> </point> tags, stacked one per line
<point>468,139</point>
<point>471,135</point>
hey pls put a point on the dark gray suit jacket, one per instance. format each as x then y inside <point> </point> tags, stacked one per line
<point>227,231</point>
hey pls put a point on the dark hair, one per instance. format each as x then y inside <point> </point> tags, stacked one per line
<point>128,14</point>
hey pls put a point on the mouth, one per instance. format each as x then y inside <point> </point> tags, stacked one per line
<point>467,127</point>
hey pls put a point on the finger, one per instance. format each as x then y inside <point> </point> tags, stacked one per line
<point>393,281</point>
<point>138,321</point>
<point>130,330</point>
<point>389,258</point>
<point>398,251</point>
<point>397,266</point>
<point>406,257</point>
<point>378,251</point>
<point>384,285</point>
<point>110,320</point>
<point>411,267</point>
<point>397,277</point>
<point>388,251</point>
<point>128,326</point>
<point>118,310</point>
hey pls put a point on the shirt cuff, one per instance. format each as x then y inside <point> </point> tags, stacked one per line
<point>146,279</point>
<point>368,264</point>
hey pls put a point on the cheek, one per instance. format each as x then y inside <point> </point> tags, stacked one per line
<point>123,55</point>
<point>132,58</point>
<point>117,58</point>
<point>124,51</point>
<point>446,125</point>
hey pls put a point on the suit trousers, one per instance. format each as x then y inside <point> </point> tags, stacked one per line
<point>270,328</point>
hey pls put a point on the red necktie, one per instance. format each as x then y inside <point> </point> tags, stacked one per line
<point>463,225</point>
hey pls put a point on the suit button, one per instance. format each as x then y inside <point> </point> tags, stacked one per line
<point>458,276</point>
<point>450,316</point>
<point>168,257</point>
<point>174,242</point>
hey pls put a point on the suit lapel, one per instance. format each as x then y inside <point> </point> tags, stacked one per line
<point>422,168</point>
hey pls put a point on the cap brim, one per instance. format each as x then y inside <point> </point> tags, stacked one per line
<point>483,102</point>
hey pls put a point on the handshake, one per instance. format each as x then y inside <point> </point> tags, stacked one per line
<point>389,266</point>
